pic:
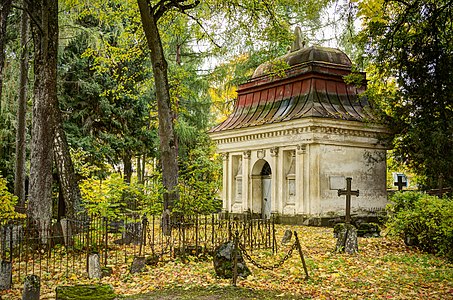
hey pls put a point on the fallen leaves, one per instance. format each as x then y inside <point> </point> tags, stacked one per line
<point>384,268</point>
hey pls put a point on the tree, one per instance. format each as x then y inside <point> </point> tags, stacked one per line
<point>410,44</point>
<point>169,152</point>
<point>5,8</point>
<point>105,87</point>
<point>21,115</point>
<point>45,39</point>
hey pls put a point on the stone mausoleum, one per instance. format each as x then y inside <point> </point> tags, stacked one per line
<point>293,139</point>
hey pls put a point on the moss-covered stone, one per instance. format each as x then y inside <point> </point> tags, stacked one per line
<point>347,239</point>
<point>369,230</point>
<point>85,292</point>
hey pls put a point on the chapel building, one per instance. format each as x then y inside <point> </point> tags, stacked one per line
<point>293,139</point>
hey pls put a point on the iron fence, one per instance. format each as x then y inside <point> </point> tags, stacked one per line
<point>63,246</point>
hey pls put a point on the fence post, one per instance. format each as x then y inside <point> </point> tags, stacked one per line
<point>274,240</point>
<point>196,235</point>
<point>301,255</point>
<point>106,246</point>
<point>235,257</point>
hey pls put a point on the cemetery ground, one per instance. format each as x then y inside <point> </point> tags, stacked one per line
<point>384,268</point>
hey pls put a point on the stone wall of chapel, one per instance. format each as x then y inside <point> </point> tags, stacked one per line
<point>367,167</point>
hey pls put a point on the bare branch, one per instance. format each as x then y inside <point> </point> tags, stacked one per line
<point>165,5</point>
<point>202,27</point>
<point>32,17</point>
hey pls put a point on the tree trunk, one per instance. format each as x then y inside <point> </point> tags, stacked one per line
<point>139,169</point>
<point>66,175</point>
<point>19,180</point>
<point>5,8</point>
<point>167,136</point>
<point>127,162</point>
<point>45,38</point>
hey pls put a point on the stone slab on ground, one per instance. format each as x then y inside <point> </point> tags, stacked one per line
<point>85,292</point>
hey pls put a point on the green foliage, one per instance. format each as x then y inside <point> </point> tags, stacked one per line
<point>112,196</point>
<point>105,86</point>
<point>103,197</point>
<point>409,44</point>
<point>424,221</point>
<point>200,179</point>
<point>7,202</point>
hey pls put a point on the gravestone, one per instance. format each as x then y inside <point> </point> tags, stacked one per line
<point>94,266</point>
<point>32,288</point>
<point>223,261</point>
<point>5,275</point>
<point>85,292</point>
<point>67,232</point>
<point>138,264</point>
<point>347,236</point>
<point>347,239</point>
<point>287,236</point>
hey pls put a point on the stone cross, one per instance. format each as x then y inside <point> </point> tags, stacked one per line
<point>400,183</point>
<point>348,192</point>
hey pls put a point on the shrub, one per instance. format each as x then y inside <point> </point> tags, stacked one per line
<point>423,221</point>
<point>7,202</point>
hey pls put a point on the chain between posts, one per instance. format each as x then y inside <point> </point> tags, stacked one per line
<point>274,266</point>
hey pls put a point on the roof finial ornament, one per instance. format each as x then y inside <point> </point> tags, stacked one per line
<point>299,42</point>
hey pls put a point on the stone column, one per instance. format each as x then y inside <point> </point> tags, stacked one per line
<point>300,179</point>
<point>276,206</point>
<point>225,181</point>
<point>246,201</point>
<point>230,183</point>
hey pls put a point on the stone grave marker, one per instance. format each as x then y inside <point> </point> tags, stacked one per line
<point>287,236</point>
<point>347,236</point>
<point>223,261</point>
<point>138,264</point>
<point>5,275</point>
<point>94,266</point>
<point>32,288</point>
<point>85,292</point>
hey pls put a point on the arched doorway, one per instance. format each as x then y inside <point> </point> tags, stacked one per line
<point>262,189</point>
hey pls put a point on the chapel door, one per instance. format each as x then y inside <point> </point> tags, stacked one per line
<point>266,184</point>
<point>267,200</point>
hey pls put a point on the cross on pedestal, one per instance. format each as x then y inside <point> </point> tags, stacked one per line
<point>400,183</point>
<point>348,192</point>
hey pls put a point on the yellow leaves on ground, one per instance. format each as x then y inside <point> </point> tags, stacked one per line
<point>384,268</point>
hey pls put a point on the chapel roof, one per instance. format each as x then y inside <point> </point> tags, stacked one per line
<point>312,86</point>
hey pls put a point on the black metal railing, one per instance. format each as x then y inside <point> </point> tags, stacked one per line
<point>63,246</point>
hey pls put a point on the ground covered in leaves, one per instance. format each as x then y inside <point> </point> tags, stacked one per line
<point>384,268</point>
